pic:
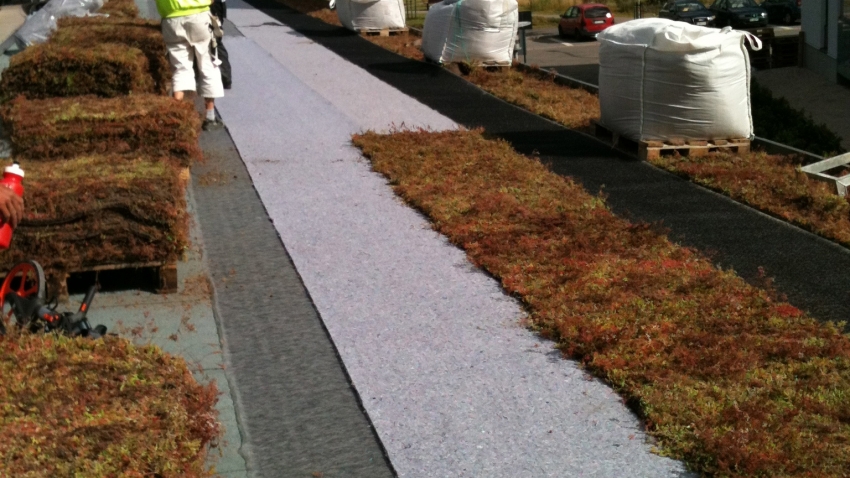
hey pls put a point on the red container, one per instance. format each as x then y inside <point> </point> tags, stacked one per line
<point>13,177</point>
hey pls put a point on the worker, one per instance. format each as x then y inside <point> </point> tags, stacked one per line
<point>187,29</point>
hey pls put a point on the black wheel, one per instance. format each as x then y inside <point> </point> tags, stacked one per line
<point>577,34</point>
<point>561,33</point>
<point>787,18</point>
<point>26,280</point>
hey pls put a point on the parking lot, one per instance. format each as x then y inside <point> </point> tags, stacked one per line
<point>579,59</point>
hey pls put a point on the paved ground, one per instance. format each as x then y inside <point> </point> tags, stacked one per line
<point>184,324</point>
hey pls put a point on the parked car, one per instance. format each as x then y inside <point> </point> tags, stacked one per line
<point>738,14</point>
<point>688,11</point>
<point>784,11</point>
<point>585,20</point>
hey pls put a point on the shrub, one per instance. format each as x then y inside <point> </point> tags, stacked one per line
<point>727,376</point>
<point>776,120</point>
<point>96,210</point>
<point>142,34</point>
<point>149,125</point>
<point>98,408</point>
<point>48,70</point>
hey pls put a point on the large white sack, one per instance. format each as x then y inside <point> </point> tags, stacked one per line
<point>478,31</point>
<point>662,79</point>
<point>370,15</point>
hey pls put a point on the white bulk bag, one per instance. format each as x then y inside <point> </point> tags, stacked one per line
<point>370,14</point>
<point>477,31</point>
<point>661,79</point>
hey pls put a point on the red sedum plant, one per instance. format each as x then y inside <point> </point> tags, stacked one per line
<point>727,377</point>
<point>100,408</point>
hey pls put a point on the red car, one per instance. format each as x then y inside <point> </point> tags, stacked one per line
<point>585,20</point>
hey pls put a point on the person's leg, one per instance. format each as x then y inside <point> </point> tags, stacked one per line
<point>180,56</point>
<point>198,30</point>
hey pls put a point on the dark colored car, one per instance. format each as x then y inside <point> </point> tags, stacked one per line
<point>688,11</point>
<point>585,20</point>
<point>738,14</point>
<point>30,6</point>
<point>784,11</point>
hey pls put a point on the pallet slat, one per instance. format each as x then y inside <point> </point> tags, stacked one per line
<point>385,32</point>
<point>652,149</point>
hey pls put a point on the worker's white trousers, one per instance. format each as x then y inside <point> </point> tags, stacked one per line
<point>188,40</point>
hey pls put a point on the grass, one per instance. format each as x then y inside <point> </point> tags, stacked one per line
<point>727,376</point>
<point>100,408</point>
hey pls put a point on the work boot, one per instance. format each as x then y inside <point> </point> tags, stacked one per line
<point>211,125</point>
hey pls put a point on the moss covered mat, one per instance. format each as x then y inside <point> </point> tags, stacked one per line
<point>98,408</point>
<point>728,377</point>
<point>152,125</point>
<point>97,210</point>
<point>136,33</point>
<point>48,70</point>
<point>120,9</point>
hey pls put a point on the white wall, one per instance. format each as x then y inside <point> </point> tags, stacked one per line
<point>816,13</point>
<point>812,22</point>
<point>832,21</point>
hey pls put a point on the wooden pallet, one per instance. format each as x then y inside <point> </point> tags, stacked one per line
<point>384,32</point>
<point>647,150</point>
<point>463,69</point>
<point>166,273</point>
<point>693,148</point>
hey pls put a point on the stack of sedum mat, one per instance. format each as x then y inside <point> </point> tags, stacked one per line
<point>102,209</point>
<point>156,126</point>
<point>106,154</point>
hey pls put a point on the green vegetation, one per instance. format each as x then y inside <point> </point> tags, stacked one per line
<point>776,120</point>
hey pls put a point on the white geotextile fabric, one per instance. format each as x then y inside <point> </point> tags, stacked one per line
<point>41,24</point>
<point>453,384</point>
<point>478,31</point>
<point>349,89</point>
<point>662,79</point>
<point>370,14</point>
